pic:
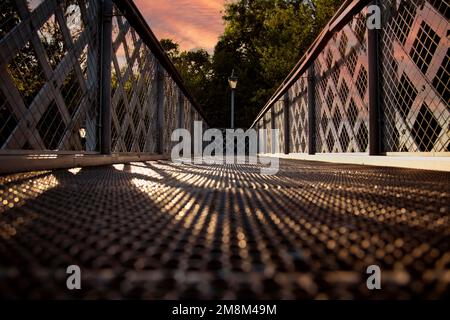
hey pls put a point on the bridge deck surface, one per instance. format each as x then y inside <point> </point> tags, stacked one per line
<point>163,230</point>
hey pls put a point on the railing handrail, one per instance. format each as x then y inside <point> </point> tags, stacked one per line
<point>138,22</point>
<point>344,14</point>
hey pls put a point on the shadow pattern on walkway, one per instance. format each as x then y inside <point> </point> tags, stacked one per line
<point>161,230</point>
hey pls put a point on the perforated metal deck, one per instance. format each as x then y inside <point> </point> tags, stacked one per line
<point>164,230</point>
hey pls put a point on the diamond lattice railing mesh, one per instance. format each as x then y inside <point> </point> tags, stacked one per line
<point>50,58</point>
<point>279,124</point>
<point>134,99</point>
<point>48,75</point>
<point>415,69</point>
<point>414,83</point>
<point>298,108</point>
<point>141,88</point>
<point>341,99</point>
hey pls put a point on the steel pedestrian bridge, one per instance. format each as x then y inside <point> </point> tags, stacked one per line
<point>88,102</point>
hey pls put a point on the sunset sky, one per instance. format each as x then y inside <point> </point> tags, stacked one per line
<point>191,23</point>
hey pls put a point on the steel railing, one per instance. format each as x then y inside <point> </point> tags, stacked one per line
<point>368,91</point>
<point>86,76</point>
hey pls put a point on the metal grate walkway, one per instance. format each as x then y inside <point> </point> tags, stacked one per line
<point>164,230</point>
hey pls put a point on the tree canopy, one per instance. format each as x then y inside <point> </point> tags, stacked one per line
<point>262,41</point>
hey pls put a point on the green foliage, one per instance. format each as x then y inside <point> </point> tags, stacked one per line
<point>170,47</point>
<point>195,67</point>
<point>324,10</point>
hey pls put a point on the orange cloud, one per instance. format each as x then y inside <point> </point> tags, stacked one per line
<point>191,23</point>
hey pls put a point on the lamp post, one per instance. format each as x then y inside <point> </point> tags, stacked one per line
<point>232,81</point>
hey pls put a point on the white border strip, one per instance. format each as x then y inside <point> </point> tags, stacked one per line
<point>399,161</point>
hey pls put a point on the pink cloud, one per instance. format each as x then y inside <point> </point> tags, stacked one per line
<point>191,23</point>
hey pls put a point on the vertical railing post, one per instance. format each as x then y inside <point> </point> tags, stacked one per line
<point>265,136</point>
<point>311,111</point>
<point>287,121</point>
<point>105,76</point>
<point>374,92</point>
<point>257,137</point>
<point>258,130</point>
<point>160,108</point>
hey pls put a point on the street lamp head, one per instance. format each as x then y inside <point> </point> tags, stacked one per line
<point>232,80</point>
<point>82,133</point>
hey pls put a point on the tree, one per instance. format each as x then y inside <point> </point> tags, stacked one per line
<point>262,41</point>
<point>171,48</point>
<point>195,67</point>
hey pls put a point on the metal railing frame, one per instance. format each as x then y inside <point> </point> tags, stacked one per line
<point>305,66</point>
<point>17,160</point>
<point>344,14</point>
